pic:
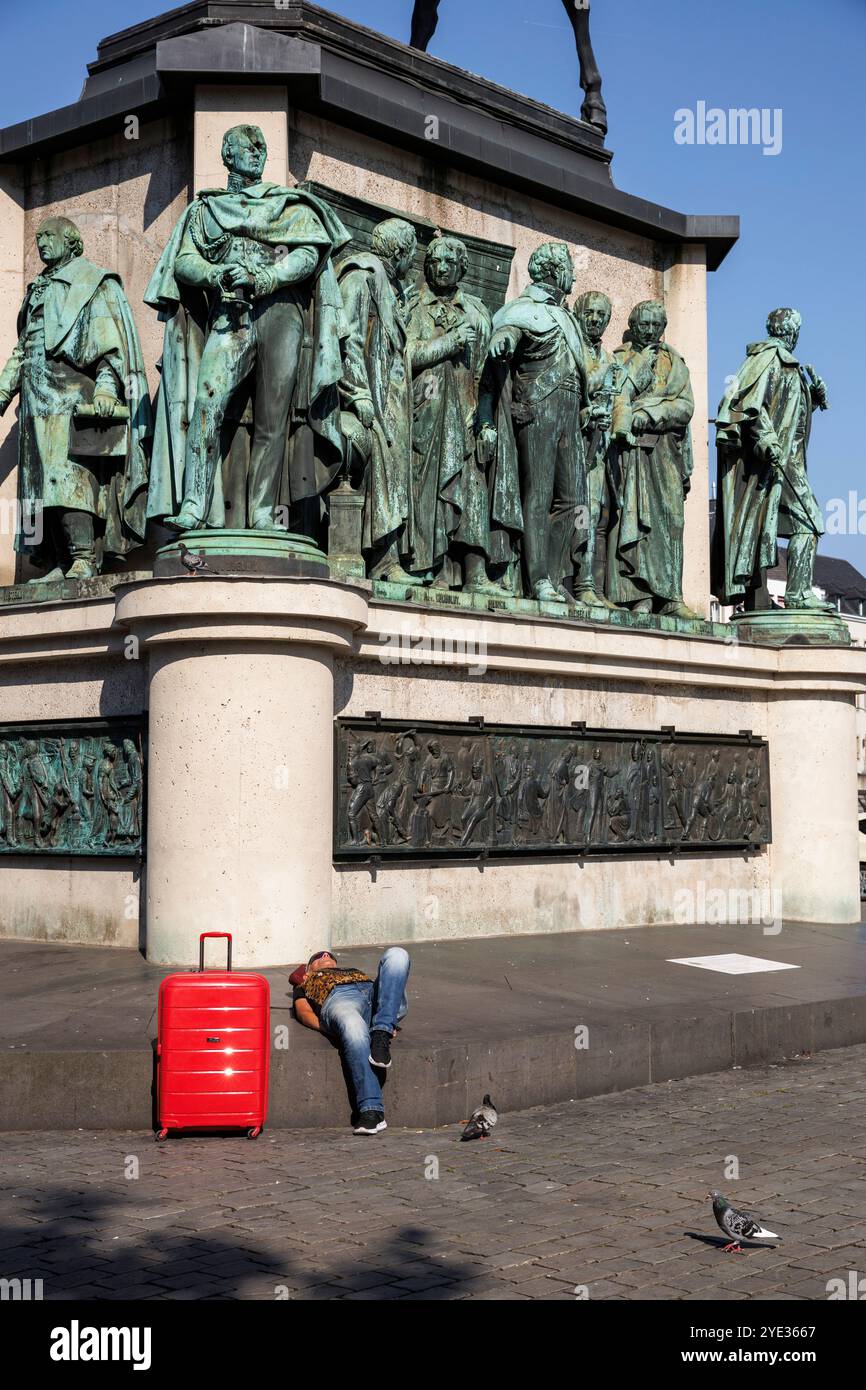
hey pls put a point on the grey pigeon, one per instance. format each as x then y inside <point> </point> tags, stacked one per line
<point>738,1225</point>
<point>194,564</point>
<point>481,1121</point>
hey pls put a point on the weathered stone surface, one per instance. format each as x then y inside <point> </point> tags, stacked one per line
<point>599,1199</point>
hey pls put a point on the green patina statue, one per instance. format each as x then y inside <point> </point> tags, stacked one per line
<point>604,376</point>
<point>540,340</point>
<point>449,333</point>
<point>252,338</point>
<point>652,442</point>
<point>376,392</point>
<point>762,434</point>
<point>85,412</point>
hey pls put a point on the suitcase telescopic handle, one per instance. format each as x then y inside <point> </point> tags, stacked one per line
<point>205,934</point>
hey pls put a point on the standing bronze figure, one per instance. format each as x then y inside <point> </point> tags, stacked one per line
<point>85,415</point>
<point>376,392</point>
<point>252,310</point>
<point>448,336</point>
<point>762,434</point>
<point>593,311</point>
<point>540,340</point>
<point>653,440</point>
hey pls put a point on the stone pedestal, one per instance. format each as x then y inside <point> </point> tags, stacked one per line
<point>783,627</point>
<point>236,552</point>
<point>813,774</point>
<point>240,759</point>
<point>344,532</point>
<point>239,681</point>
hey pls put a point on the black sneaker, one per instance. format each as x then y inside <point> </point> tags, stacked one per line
<point>370,1122</point>
<point>380,1048</point>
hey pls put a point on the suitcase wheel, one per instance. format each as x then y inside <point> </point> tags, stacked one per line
<point>254,1132</point>
<point>161,1136</point>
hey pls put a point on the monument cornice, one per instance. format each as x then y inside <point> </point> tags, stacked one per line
<point>352,75</point>
<point>361,629</point>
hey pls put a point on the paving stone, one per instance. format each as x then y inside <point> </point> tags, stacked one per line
<point>605,1193</point>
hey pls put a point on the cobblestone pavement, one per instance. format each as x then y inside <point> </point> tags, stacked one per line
<point>606,1193</point>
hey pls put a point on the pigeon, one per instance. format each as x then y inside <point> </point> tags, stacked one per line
<point>481,1121</point>
<point>193,563</point>
<point>739,1225</point>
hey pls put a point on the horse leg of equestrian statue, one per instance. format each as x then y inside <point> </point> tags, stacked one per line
<point>425,17</point>
<point>593,111</point>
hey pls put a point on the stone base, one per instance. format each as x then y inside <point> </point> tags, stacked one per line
<point>432,597</point>
<point>344,533</point>
<point>469,1028</point>
<point>227,552</point>
<point>794,627</point>
<point>67,590</point>
<point>243,677</point>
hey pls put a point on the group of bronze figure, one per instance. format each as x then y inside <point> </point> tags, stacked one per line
<point>73,793</point>
<point>404,790</point>
<point>504,453</point>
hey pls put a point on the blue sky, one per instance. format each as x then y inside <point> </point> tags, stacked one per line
<point>803,211</point>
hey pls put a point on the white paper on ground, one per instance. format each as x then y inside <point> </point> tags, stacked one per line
<point>734,964</point>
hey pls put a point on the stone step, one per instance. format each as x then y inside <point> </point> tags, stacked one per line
<point>432,1085</point>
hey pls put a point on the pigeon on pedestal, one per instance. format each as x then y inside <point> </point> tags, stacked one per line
<point>194,564</point>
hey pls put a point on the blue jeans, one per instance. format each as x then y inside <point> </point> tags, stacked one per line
<point>352,1012</point>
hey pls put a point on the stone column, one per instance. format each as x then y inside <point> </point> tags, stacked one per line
<point>217,107</point>
<point>11,295</point>
<point>685,294</point>
<point>240,760</point>
<point>813,776</point>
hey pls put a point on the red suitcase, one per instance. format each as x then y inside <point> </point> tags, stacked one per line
<point>213,1049</point>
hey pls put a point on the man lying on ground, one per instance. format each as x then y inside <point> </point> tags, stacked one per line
<point>360,1015</point>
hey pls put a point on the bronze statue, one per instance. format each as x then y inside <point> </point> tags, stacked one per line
<point>253,316</point>
<point>654,460</point>
<point>85,414</point>
<point>762,435</point>
<point>376,392</point>
<point>449,331</point>
<point>539,339</point>
<point>593,311</point>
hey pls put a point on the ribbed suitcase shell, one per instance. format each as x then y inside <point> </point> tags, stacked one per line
<point>213,1050</point>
